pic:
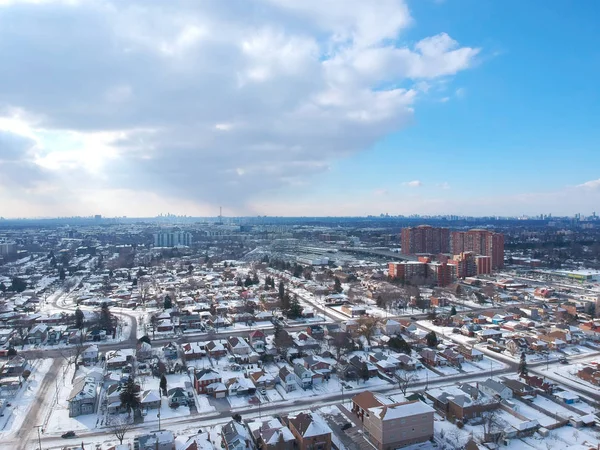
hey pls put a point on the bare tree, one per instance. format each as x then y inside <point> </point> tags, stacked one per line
<point>73,353</point>
<point>119,426</point>
<point>341,343</point>
<point>405,378</point>
<point>367,326</point>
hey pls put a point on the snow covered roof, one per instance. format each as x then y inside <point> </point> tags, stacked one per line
<point>391,412</point>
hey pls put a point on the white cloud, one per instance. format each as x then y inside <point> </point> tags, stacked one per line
<point>413,184</point>
<point>593,184</point>
<point>206,102</point>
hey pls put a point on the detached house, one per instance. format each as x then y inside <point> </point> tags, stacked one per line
<point>309,434</point>
<point>204,378</point>
<point>82,399</point>
<point>37,334</point>
<point>287,379</point>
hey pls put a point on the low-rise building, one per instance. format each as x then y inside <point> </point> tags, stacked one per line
<point>398,425</point>
<point>82,398</point>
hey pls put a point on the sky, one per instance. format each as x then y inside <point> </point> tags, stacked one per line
<point>299,107</point>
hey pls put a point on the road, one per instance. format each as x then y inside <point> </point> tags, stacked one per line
<point>40,404</point>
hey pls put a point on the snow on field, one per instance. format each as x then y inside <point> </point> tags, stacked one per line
<point>533,414</point>
<point>554,408</point>
<point>447,370</point>
<point>22,402</point>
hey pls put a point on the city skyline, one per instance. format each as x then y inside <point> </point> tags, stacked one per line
<point>293,109</point>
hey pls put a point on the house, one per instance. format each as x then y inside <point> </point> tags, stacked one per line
<point>271,434</point>
<point>431,357</point>
<point>452,356</point>
<point>240,386</point>
<point>461,402</point>
<point>14,367</point>
<point>90,354</point>
<point>37,334</point>
<point>359,364</point>
<point>143,351</point>
<point>238,346</point>
<point>567,397</point>
<point>287,379</point>
<point>543,384</point>
<point>304,376</point>
<point>82,398</point>
<point>193,350</point>
<point>205,377</point>
<point>235,436</point>
<point>117,359</point>
<point>177,397</point>
<point>157,440</point>
<point>590,374</point>
<point>398,425</point>
<point>495,389</point>
<point>262,379</point>
<point>488,333</point>
<point>216,349</point>
<point>317,364</point>
<point>391,327</point>
<point>309,433</point>
<point>408,362</point>
<point>519,389</point>
<point>150,400</point>
<point>170,350</point>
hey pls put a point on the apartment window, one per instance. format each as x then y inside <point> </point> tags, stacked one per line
<point>402,421</point>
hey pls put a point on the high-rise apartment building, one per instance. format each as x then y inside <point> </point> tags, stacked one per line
<point>173,239</point>
<point>425,239</point>
<point>480,242</point>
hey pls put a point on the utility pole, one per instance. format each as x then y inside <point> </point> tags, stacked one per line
<point>39,436</point>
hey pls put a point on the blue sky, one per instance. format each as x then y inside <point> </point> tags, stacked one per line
<point>525,120</point>
<point>300,108</point>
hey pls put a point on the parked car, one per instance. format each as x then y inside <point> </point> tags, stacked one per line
<point>346,426</point>
<point>68,435</point>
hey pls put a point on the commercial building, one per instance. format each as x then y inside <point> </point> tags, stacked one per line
<point>398,425</point>
<point>425,239</point>
<point>173,239</point>
<point>7,248</point>
<point>480,242</point>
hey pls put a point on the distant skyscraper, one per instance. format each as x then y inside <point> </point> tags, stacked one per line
<point>480,242</point>
<point>425,239</point>
<point>173,239</point>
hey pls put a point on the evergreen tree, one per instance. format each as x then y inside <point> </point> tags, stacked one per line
<point>267,282</point>
<point>134,282</point>
<point>337,285</point>
<point>12,351</point>
<point>2,287</point>
<point>273,282</point>
<point>431,339</point>
<point>110,273</point>
<point>399,344</point>
<point>281,290</point>
<point>364,371</point>
<point>128,276</point>
<point>255,279</point>
<point>163,385</point>
<point>248,281</point>
<point>53,261</point>
<point>240,283</point>
<point>106,318</point>
<point>191,269</point>
<point>453,311</point>
<point>129,396</point>
<point>145,338</point>
<point>79,319</point>
<point>168,303</point>
<point>295,309</point>
<point>18,285</point>
<point>61,274</point>
<point>522,369</point>
<point>285,303</point>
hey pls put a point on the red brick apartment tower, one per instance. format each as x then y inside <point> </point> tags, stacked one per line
<point>424,239</point>
<point>480,242</point>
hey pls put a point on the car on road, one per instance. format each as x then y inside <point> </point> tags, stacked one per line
<point>263,391</point>
<point>68,435</point>
<point>563,361</point>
